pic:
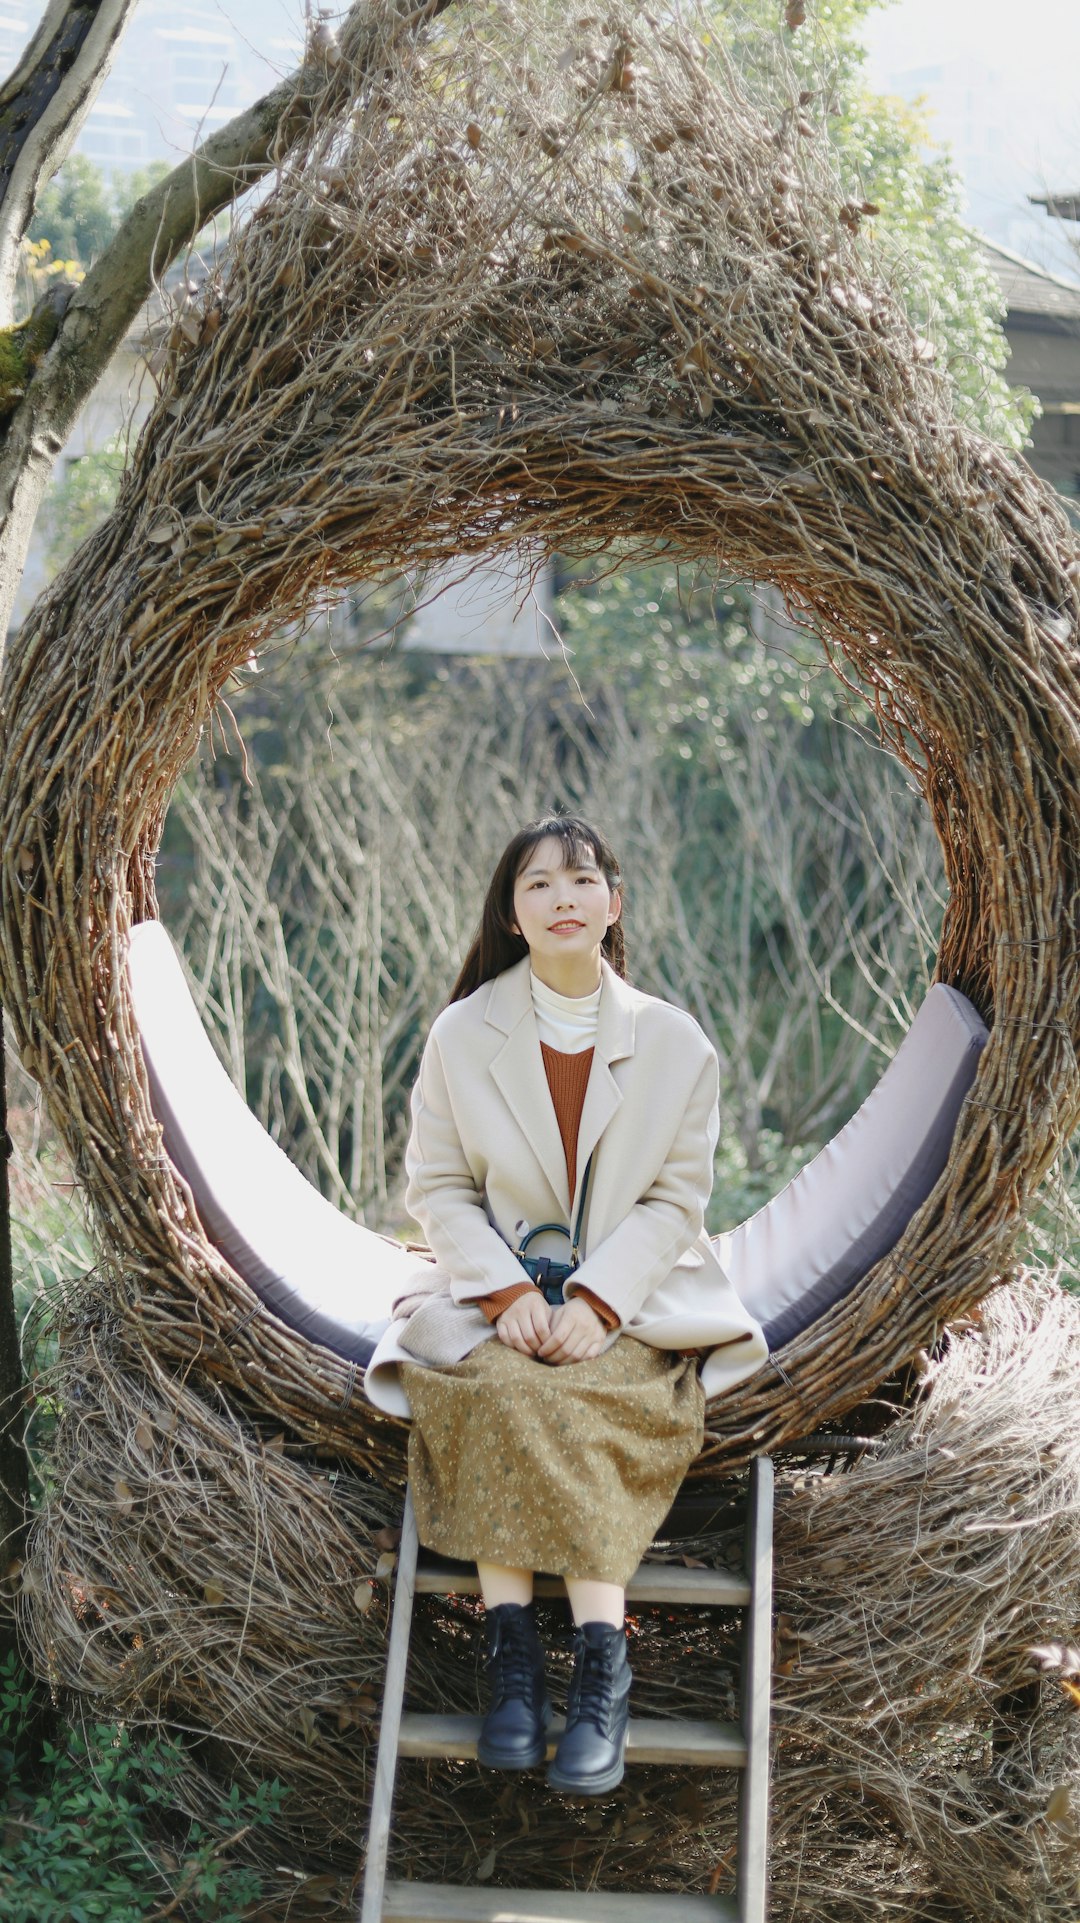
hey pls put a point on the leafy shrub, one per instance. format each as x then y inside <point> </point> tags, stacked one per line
<point>95,1835</point>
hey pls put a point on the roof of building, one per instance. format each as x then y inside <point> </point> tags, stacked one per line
<point>1058,206</point>
<point>1030,290</point>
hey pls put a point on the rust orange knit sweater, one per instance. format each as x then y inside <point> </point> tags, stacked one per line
<point>567,1078</point>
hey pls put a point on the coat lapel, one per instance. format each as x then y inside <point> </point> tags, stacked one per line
<point>518,1073</point>
<point>614,1041</point>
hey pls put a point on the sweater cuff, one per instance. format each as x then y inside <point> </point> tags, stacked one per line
<point>492,1306</point>
<point>607,1315</point>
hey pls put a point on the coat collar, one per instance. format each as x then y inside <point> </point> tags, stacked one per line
<point>518,1068</point>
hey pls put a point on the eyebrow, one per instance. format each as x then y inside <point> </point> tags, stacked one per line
<point>572,867</point>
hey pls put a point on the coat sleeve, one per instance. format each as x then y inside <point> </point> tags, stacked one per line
<point>442,1196</point>
<point>641,1251</point>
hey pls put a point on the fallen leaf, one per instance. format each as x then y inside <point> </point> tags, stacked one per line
<point>306,1720</point>
<point>794,14</point>
<point>1059,1807</point>
<point>486,1868</point>
<point>355,1710</point>
<point>721,1870</point>
<point>363,1597</point>
<point>214,1594</point>
<point>144,1435</point>
<point>275,1444</point>
<point>387,1538</point>
<point>161,532</point>
<point>125,1496</point>
<point>473,135</point>
<point>385,1566</point>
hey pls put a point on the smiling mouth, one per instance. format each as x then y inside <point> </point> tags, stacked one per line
<point>556,925</point>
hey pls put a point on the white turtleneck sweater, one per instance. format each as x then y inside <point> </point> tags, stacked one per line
<point>565,1022</point>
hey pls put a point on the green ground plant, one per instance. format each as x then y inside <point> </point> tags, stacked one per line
<point>93,1834</point>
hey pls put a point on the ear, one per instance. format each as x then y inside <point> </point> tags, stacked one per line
<point>614,908</point>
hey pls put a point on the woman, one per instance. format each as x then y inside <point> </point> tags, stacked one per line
<point>554,1434</point>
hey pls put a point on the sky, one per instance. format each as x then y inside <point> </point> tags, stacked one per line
<point>1036,40</point>
<point>1001,83</point>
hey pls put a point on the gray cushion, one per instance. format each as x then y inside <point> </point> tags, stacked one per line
<point>808,1247</point>
<point>334,1281</point>
<point>330,1279</point>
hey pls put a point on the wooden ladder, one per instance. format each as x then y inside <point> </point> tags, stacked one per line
<point>708,1745</point>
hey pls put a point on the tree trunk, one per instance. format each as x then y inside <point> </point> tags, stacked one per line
<point>155,233</point>
<point>14,1477</point>
<point>42,107</point>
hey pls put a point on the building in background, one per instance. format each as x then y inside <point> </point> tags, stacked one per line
<point>182,69</point>
<point>497,609</point>
<point>1042,325</point>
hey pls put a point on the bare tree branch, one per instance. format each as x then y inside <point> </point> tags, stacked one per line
<point>42,107</point>
<point>155,233</point>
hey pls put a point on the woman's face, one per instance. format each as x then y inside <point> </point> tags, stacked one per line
<point>562,911</point>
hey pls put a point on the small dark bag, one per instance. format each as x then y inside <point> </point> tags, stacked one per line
<point>549,1275</point>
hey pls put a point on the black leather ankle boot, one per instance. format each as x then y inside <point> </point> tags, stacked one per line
<point>589,1759</point>
<point>512,1735</point>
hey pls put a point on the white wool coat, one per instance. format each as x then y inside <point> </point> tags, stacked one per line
<point>485,1160</point>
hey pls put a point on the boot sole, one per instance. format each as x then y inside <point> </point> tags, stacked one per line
<point>490,1759</point>
<point>494,1759</point>
<point>589,1785</point>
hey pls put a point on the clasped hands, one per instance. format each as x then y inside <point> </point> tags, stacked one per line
<point>571,1332</point>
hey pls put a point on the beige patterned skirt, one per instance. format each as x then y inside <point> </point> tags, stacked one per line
<point>569,1470</point>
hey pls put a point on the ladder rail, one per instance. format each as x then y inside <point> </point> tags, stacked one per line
<point>397,1662</point>
<point>756,1689</point>
<point>381,1901</point>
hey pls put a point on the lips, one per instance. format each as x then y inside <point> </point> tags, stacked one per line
<point>556,925</point>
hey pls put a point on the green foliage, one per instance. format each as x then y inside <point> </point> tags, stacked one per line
<point>881,148</point>
<point>927,248</point>
<point>77,503</point>
<point>75,213</point>
<point>100,1839</point>
<point>743,1183</point>
<point>128,188</point>
<point>79,211</point>
<point>690,666</point>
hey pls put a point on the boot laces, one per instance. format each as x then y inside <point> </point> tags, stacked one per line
<point>592,1688</point>
<point>510,1661</point>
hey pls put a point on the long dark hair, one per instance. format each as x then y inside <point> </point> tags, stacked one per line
<point>495,946</point>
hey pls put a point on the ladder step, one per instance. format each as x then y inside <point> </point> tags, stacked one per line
<point>711,1745</point>
<point>652,1582</point>
<point>449,1903</point>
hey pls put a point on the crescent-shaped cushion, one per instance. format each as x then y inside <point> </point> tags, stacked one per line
<point>328,1278</point>
<point>334,1281</point>
<point>810,1245</point>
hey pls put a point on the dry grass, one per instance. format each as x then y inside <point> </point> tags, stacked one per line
<point>198,1570</point>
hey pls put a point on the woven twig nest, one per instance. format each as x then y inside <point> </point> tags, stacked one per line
<point>201,1574</point>
<point>567,287</point>
<point>576,289</point>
